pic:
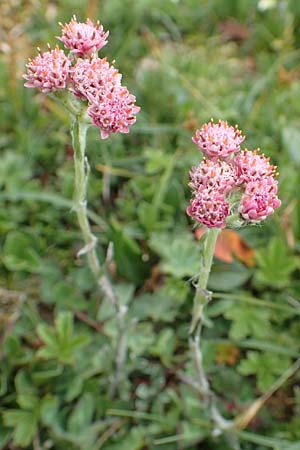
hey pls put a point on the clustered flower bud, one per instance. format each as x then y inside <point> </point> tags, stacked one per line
<point>230,181</point>
<point>110,105</point>
<point>49,71</point>
<point>83,38</point>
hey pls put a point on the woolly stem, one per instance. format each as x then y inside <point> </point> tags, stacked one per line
<point>201,299</point>
<point>78,130</point>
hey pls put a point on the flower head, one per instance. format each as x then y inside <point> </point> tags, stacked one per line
<point>213,174</point>
<point>242,186</point>
<point>259,200</point>
<point>89,76</point>
<point>113,110</point>
<point>252,166</point>
<point>49,71</point>
<point>209,208</point>
<point>218,140</point>
<point>83,39</point>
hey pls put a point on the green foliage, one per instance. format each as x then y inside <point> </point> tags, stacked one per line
<point>185,61</point>
<point>275,265</point>
<point>180,255</point>
<point>60,343</point>
<point>266,366</point>
<point>248,320</point>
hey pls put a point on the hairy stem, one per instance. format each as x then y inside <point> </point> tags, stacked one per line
<point>79,130</point>
<point>201,299</point>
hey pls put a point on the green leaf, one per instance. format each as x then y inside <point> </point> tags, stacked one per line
<point>266,366</point>
<point>49,410</point>
<point>14,170</point>
<point>180,254</point>
<point>64,326</point>
<point>127,254</point>
<point>20,252</point>
<point>82,413</point>
<point>25,426</point>
<point>159,306</point>
<point>225,277</point>
<point>61,343</point>
<point>28,401</point>
<point>134,440</point>
<point>275,265</point>
<point>140,338</point>
<point>248,320</point>
<point>47,335</point>
<point>164,345</point>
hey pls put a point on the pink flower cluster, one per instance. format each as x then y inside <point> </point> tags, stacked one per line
<point>83,38</point>
<point>111,107</point>
<point>49,71</point>
<point>227,174</point>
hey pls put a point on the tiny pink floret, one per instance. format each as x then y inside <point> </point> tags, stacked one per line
<point>49,71</point>
<point>113,110</point>
<point>209,208</point>
<point>218,140</point>
<point>83,39</point>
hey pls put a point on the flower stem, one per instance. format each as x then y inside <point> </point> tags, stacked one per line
<point>201,299</point>
<point>78,131</point>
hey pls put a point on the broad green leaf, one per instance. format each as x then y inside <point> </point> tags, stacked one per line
<point>266,366</point>
<point>225,277</point>
<point>24,424</point>
<point>248,320</point>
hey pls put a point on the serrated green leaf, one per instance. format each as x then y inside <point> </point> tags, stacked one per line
<point>275,265</point>
<point>247,320</point>
<point>266,366</point>
<point>24,424</point>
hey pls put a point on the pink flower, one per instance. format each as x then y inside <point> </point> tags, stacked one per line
<point>49,71</point>
<point>211,174</point>
<point>84,39</point>
<point>218,140</point>
<point>113,110</point>
<point>209,208</point>
<point>91,76</point>
<point>251,166</point>
<point>260,200</point>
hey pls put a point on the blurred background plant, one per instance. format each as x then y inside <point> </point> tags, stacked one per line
<point>185,61</point>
